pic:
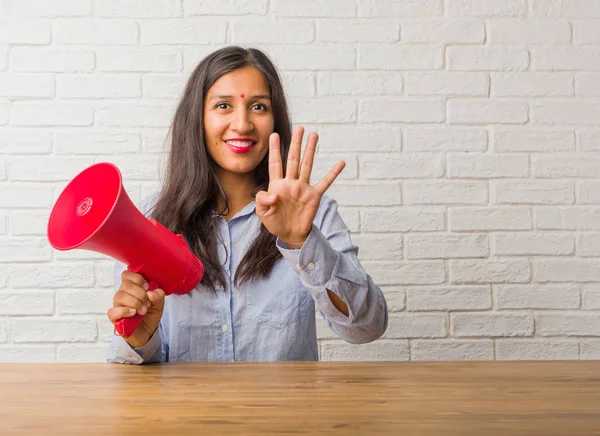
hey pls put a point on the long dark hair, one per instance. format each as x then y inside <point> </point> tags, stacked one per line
<point>191,190</point>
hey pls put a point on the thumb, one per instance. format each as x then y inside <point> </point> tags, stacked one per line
<point>264,201</point>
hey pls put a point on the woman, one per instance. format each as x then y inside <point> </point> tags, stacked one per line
<point>272,244</point>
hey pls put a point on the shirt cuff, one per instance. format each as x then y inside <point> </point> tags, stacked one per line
<point>128,354</point>
<point>314,261</point>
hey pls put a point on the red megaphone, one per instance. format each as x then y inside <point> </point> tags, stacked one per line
<point>95,213</point>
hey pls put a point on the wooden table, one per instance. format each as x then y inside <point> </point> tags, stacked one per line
<point>390,398</point>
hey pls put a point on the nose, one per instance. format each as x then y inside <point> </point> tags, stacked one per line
<point>241,121</point>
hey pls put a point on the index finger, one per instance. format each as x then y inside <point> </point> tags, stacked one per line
<point>136,278</point>
<point>275,168</point>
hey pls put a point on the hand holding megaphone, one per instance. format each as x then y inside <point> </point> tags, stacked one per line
<point>95,213</point>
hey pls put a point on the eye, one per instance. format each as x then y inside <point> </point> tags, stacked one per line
<point>260,107</point>
<point>222,105</point>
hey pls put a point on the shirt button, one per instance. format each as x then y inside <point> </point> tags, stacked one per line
<point>311,266</point>
<point>225,244</point>
<point>224,328</point>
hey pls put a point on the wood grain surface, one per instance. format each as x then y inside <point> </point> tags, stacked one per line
<point>317,398</point>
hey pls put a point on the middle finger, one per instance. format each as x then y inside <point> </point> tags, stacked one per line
<point>293,161</point>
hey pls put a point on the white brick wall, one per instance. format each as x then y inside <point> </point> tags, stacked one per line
<point>470,129</point>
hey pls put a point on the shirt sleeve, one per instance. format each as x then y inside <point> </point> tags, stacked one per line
<point>328,261</point>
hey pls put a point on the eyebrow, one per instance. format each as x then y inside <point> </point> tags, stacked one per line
<point>256,97</point>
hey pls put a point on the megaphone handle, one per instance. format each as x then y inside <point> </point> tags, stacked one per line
<point>126,326</point>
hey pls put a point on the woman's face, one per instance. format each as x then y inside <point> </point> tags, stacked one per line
<point>238,120</point>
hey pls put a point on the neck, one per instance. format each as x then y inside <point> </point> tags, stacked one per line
<point>238,189</point>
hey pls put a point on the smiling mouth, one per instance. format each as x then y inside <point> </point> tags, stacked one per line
<point>240,146</point>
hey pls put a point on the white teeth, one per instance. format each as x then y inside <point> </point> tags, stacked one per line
<point>242,144</point>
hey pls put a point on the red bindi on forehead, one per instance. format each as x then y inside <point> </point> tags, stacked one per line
<point>242,96</point>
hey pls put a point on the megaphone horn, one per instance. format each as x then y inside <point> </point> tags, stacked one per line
<point>95,213</point>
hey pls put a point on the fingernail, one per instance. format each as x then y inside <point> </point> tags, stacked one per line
<point>148,304</point>
<point>132,311</point>
<point>143,310</point>
<point>146,287</point>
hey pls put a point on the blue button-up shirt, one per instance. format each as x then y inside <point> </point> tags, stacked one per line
<point>267,319</point>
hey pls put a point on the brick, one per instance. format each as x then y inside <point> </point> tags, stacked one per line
<point>447,84</point>
<point>451,349</point>
<point>487,59</point>
<point>22,141</point>
<point>589,140</point>
<point>377,194</point>
<point>356,31</point>
<point>53,330</point>
<point>47,169</point>
<point>589,349</point>
<point>51,276</point>
<point>105,274</point>
<point>378,246</point>
<point>588,192</point>
<point>326,161</point>
<point>572,218</point>
<point>144,114</point>
<point>43,8</point>
<point>3,223</point>
<point>537,141</point>
<point>366,83</point>
<point>567,324</point>
<point>587,84</point>
<point>39,60</point>
<point>407,273</point>
<point>25,303</point>
<point>356,138</point>
<point>487,112</point>
<point>586,32</point>
<point>395,298</point>
<point>447,31</point>
<point>28,223</point>
<point>323,110</point>
<point>25,195</point>
<point>407,111</point>
<point>140,59</point>
<point>491,324</point>
<point>588,245</point>
<point>446,298</point>
<point>590,298</point>
<point>445,139</point>
<point>4,114</point>
<point>566,59</point>
<point>3,279</point>
<point>489,271</point>
<point>403,166</point>
<point>27,354</point>
<point>194,31</point>
<point>163,85</point>
<point>3,332</point>
<point>313,58</point>
<point>142,168</point>
<point>94,32</point>
<point>476,165</point>
<point>87,301</point>
<point>536,349</point>
<point>26,113</point>
<point>566,8</point>
<point>530,31</point>
<point>565,270</point>
<point>82,353</point>
<point>538,296</point>
<point>400,8</point>
<point>381,350</point>
<point>532,84</point>
<point>30,32</point>
<point>486,8</point>
<point>311,8</point>
<point>14,250</point>
<point>533,244</point>
<point>88,144</point>
<point>534,192</point>
<point>99,86</point>
<point>446,192</point>
<point>106,330</point>
<point>565,112</point>
<point>413,219</point>
<point>137,9</point>
<point>561,166</point>
<point>446,245</point>
<point>156,141</point>
<point>400,57</point>
<point>27,85</point>
<point>298,84</point>
<point>416,325</point>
